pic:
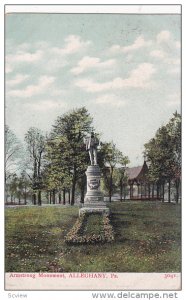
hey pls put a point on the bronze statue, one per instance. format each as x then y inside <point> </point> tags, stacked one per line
<point>91,145</point>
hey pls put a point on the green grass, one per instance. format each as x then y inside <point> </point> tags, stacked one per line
<point>94,224</point>
<point>147,239</point>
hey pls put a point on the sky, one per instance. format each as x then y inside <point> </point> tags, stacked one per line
<point>125,69</point>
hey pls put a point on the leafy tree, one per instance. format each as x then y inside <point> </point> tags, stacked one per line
<point>174,131</point>
<point>68,155</point>
<point>56,174</point>
<point>121,180</point>
<point>164,154</point>
<point>35,141</point>
<point>81,185</point>
<point>111,158</point>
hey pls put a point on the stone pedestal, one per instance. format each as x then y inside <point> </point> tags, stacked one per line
<point>93,201</point>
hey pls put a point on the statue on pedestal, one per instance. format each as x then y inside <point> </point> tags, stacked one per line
<point>94,198</point>
<point>91,145</point>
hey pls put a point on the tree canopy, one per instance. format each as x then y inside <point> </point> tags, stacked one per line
<point>164,152</point>
<point>66,160</point>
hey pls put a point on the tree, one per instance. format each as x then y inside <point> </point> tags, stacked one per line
<point>24,185</point>
<point>35,141</point>
<point>164,154</point>
<point>12,152</point>
<point>68,151</point>
<point>121,179</point>
<point>111,157</point>
<point>174,131</point>
<point>56,175</point>
<point>11,188</point>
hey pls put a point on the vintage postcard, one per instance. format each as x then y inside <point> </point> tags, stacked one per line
<point>93,147</point>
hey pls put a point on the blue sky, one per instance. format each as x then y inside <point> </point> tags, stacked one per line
<point>124,68</point>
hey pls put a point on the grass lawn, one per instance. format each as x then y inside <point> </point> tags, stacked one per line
<point>147,239</point>
<point>94,224</point>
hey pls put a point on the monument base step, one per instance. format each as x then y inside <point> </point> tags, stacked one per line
<point>95,204</point>
<point>104,210</point>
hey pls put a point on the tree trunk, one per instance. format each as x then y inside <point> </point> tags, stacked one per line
<point>158,191</point>
<point>121,190</point>
<point>50,197</point>
<point>124,190</point>
<point>59,197</point>
<point>110,184</point>
<point>82,194</point>
<point>73,190</point>
<point>19,200</point>
<point>177,183</point>
<point>39,198</point>
<point>149,191</point>
<point>34,198</point>
<point>25,198</point>
<point>69,196</point>
<point>64,199</point>
<point>53,197</point>
<point>153,191</point>
<point>6,198</point>
<point>163,191</point>
<point>47,196</point>
<point>169,191</point>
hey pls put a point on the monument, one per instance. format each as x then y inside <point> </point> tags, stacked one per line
<point>94,199</point>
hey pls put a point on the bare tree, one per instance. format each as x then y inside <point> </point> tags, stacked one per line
<point>13,150</point>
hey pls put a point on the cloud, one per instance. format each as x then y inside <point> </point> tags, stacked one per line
<point>43,84</point>
<point>158,54</point>
<point>19,78</point>
<point>138,78</point>
<point>88,62</point>
<point>109,99</point>
<point>73,44</point>
<point>166,48</point>
<point>163,37</point>
<point>165,57</point>
<point>45,105</point>
<point>24,57</point>
<point>41,52</point>
<point>138,43</point>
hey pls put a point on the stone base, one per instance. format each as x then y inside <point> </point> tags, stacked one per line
<point>94,199</point>
<point>104,210</point>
